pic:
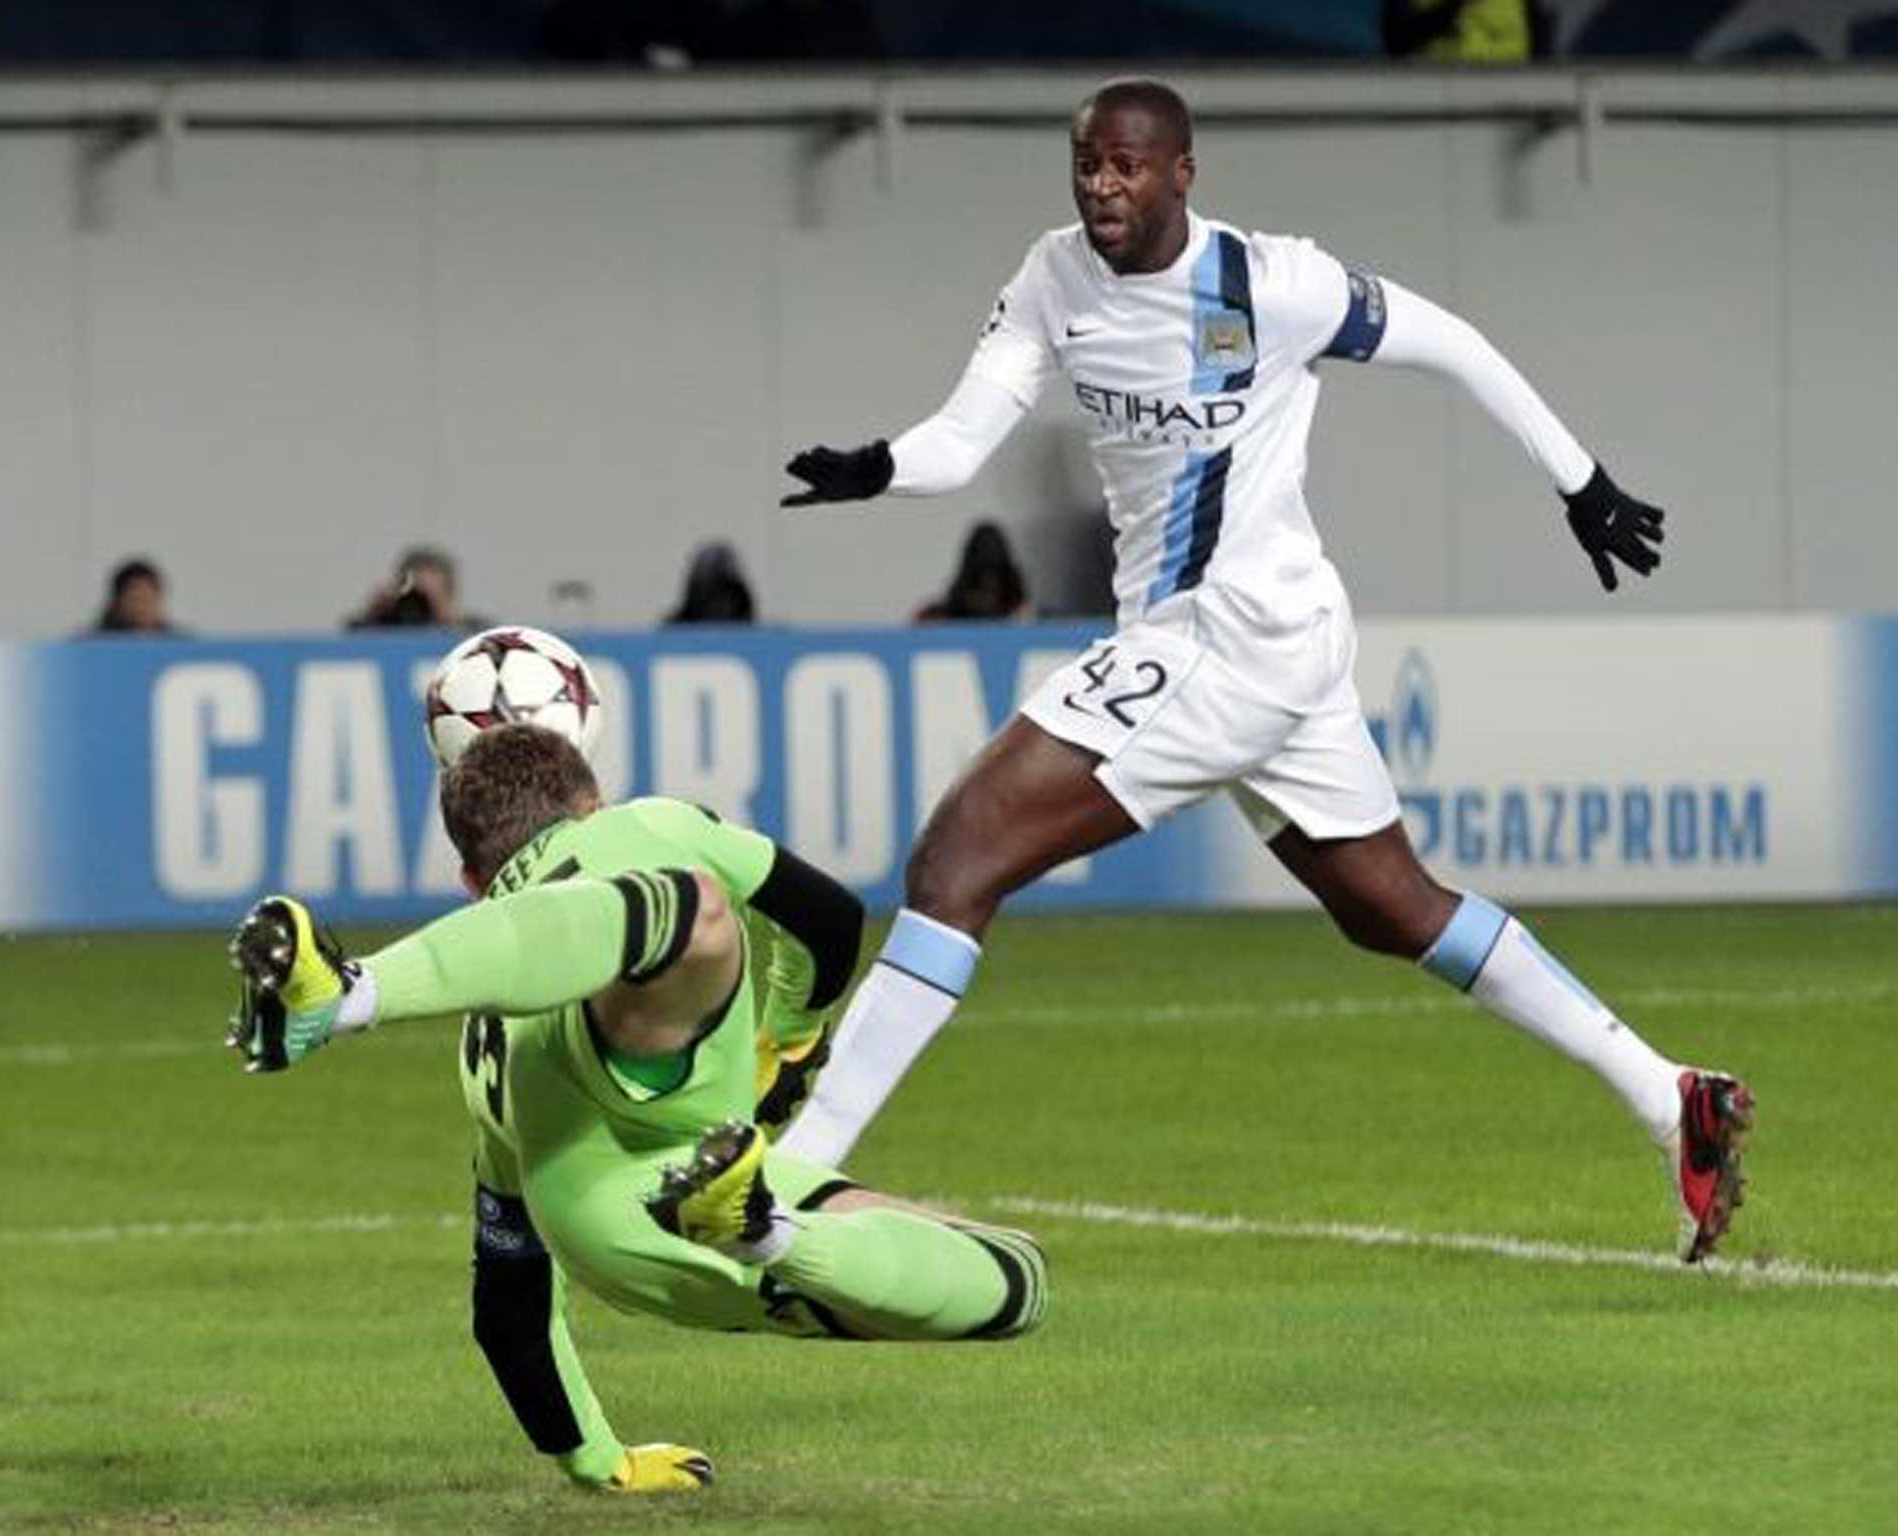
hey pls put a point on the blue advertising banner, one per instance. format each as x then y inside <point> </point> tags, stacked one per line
<point>169,782</point>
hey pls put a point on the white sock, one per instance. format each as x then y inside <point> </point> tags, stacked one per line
<point>357,1010</point>
<point>774,1245</point>
<point>1498,962</point>
<point>910,993</point>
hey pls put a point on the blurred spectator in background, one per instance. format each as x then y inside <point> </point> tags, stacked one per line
<point>422,591</point>
<point>135,602</point>
<point>1463,31</point>
<point>988,583</point>
<point>716,591</point>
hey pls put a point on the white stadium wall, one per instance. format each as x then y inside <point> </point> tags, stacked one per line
<point>272,360</point>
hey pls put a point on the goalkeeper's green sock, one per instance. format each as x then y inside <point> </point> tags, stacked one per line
<point>899,1274</point>
<point>522,954</point>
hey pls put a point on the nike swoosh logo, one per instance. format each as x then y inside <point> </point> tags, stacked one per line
<point>1082,330</point>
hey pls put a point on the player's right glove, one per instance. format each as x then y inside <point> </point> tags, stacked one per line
<point>1606,521</point>
<point>660,1468</point>
<point>841,474</point>
<point>294,982</point>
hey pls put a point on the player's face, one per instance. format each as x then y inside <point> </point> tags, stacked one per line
<point>1130,184</point>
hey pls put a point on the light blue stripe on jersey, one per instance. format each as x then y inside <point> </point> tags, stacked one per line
<point>1466,941</point>
<point>1209,374</point>
<point>1177,537</point>
<point>931,952</point>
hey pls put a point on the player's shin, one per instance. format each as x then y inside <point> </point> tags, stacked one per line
<point>910,993</point>
<point>874,1271</point>
<point>897,1274</point>
<point>1492,956</point>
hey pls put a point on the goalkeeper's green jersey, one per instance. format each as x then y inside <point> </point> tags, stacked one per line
<point>547,1082</point>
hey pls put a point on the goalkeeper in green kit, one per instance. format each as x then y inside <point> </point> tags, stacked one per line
<point>619,1070</point>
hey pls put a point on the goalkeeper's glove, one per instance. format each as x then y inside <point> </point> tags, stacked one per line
<point>1606,521</point>
<point>294,983</point>
<point>841,474</point>
<point>659,1468</point>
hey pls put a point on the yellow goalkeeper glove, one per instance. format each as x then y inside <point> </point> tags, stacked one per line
<point>660,1468</point>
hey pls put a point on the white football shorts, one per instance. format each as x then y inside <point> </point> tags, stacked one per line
<point>1190,699</point>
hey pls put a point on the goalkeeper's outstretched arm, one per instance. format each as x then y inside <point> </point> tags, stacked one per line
<point>520,1322</point>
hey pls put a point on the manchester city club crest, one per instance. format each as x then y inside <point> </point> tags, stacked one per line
<point>1224,341</point>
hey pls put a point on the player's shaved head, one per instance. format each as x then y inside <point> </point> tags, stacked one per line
<point>513,782</point>
<point>1156,98</point>
<point>1132,168</point>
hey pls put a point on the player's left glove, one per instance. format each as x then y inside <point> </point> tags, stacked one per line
<point>294,982</point>
<point>660,1468</point>
<point>841,474</point>
<point>1607,521</point>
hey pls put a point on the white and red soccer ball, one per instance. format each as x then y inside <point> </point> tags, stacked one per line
<point>510,675</point>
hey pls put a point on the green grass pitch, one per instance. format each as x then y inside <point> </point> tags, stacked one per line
<point>232,1304</point>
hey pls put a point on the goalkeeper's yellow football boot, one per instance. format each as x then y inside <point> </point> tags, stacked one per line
<point>660,1468</point>
<point>786,1076</point>
<point>294,982</point>
<point>719,1197</point>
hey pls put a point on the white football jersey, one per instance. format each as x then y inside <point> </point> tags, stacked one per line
<point>1198,387</point>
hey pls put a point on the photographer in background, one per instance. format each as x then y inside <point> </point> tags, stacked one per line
<point>716,591</point>
<point>422,592</point>
<point>988,583</point>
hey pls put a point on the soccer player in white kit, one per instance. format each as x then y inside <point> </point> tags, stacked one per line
<point>1190,347</point>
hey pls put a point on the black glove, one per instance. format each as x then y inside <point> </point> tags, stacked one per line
<point>1606,521</point>
<point>841,474</point>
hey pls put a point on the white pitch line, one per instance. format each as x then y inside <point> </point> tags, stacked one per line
<point>1340,1006</point>
<point>1782,1272</point>
<point>63,1054</point>
<point>1789,1273</point>
<point>211,1047</point>
<point>1348,1005</point>
<point>133,1231</point>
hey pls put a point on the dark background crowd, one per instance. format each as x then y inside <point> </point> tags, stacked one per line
<point>423,590</point>
<point>671,34</point>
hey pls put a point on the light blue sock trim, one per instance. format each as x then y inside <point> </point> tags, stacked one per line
<point>931,951</point>
<point>1466,941</point>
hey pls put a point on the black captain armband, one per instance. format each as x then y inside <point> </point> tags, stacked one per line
<point>661,907</point>
<point>1364,316</point>
<point>821,914</point>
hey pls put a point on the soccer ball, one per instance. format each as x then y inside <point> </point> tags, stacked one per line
<point>511,675</point>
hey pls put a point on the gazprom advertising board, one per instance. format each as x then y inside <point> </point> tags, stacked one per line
<point>170,781</point>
